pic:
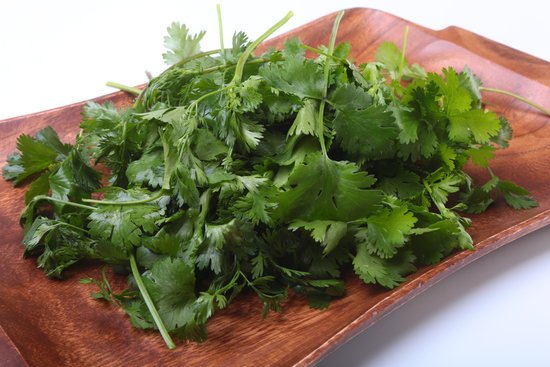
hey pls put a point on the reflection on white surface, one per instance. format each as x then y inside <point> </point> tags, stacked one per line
<point>493,312</point>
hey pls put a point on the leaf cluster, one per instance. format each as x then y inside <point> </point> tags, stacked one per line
<point>265,174</point>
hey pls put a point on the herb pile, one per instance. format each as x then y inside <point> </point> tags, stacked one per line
<point>267,173</point>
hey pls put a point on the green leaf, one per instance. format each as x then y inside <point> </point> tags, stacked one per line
<point>504,134</point>
<point>180,43</point>
<point>440,239</point>
<point>256,206</point>
<point>405,184</point>
<point>389,55</point>
<point>516,196</point>
<point>206,146</point>
<point>456,98</point>
<point>320,188</point>
<point>58,245</point>
<point>36,156</point>
<point>481,156</point>
<point>328,233</point>
<point>124,225</point>
<point>442,184</point>
<point>13,168</point>
<point>148,170</point>
<point>350,96</point>
<point>367,133</point>
<point>387,231</point>
<point>448,155</point>
<point>471,83</point>
<point>306,119</point>
<point>407,124</point>
<point>40,186</point>
<point>171,285</point>
<point>476,124</point>
<point>477,200</point>
<point>296,75</point>
<point>374,270</point>
<point>49,137</point>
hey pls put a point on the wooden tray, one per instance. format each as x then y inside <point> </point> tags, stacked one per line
<point>53,323</point>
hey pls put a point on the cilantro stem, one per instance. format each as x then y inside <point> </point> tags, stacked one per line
<point>518,97</point>
<point>220,26</point>
<point>150,305</point>
<point>225,67</point>
<point>326,75</point>
<point>242,60</point>
<point>403,48</point>
<point>66,202</point>
<point>194,57</point>
<point>125,88</point>
<point>321,52</point>
<point>133,202</point>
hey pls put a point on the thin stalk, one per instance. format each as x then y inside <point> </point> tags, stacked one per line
<point>77,205</point>
<point>403,49</point>
<point>326,74</point>
<point>205,203</point>
<point>225,67</point>
<point>518,97</point>
<point>125,88</point>
<point>321,52</point>
<point>220,26</point>
<point>73,227</point>
<point>134,202</point>
<point>242,60</point>
<point>150,305</point>
<point>194,57</point>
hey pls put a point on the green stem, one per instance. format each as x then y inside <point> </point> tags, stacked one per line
<point>326,75</point>
<point>194,57</point>
<point>134,202</point>
<point>125,88</point>
<point>518,97</point>
<point>205,203</point>
<point>195,103</point>
<point>242,60</point>
<point>220,26</point>
<point>321,52</point>
<point>225,67</point>
<point>150,305</point>
<point>403,48</point>
<point>77,205</point>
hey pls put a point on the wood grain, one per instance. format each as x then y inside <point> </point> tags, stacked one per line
<point>55,323</point>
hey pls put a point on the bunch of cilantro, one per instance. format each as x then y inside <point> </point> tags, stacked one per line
<point>268,174</point>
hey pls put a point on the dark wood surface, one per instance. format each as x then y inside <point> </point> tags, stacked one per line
<point>55,323</point>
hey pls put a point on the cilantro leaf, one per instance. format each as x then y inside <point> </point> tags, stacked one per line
<point>58,245</point>
<point>386,231</point>
<point>516,196</point>
<point>171,284</point>
<point>481,156</point>
<point>367,132</point>
<point>328,233</point>
<point>124,225</point>
<point>320,188</point>
<point>296,75</point>
<point>36,156</point>
<point>478,125</point>
<point>374,270</point>
<point>180,43</point>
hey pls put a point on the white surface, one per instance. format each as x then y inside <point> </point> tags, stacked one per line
<point>493,313</point>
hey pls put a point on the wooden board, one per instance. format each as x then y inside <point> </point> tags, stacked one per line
<point>54,323</point>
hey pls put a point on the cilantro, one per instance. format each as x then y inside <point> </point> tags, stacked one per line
<point>270,173</point>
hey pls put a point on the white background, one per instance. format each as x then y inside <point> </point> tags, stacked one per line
<point>494,312</point>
